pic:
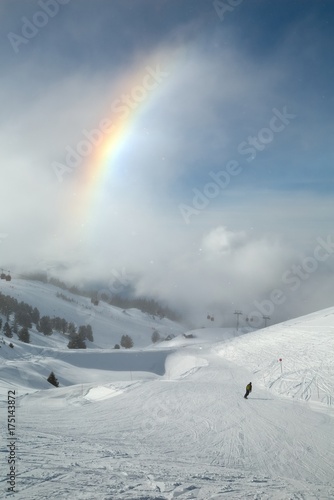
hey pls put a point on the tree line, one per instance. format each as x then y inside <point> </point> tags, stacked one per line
<point>149,306</point>
<point>20,317</point>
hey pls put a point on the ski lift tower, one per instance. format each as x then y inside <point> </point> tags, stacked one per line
<point>237,313</point>
<point>266,318</point>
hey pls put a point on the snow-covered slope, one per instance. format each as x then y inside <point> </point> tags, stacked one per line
<point>108,323</point>
<point>170,422</point>
<point>294,358</point>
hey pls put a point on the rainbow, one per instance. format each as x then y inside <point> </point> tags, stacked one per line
<point>137,93</point>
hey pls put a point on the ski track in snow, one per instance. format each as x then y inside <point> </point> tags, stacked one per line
<point>170,422</point>
<point>190,438</point>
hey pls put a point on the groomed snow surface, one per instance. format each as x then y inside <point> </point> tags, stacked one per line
<point>169,421</point>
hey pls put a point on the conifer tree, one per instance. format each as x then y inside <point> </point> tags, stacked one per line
<point>24,335</point>
<point>155,336</point>
<point>53,380</point>
<point>76,342</point>
<point>45,325</point>
<point>7,330</point>
<point>72,329</point>
<point>126,341</point>
<point>89,333</point>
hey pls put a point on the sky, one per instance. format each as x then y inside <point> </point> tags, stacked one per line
<point>182,148</point>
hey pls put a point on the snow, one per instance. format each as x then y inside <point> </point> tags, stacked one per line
<point>108,323</point>
<point>169,421</point>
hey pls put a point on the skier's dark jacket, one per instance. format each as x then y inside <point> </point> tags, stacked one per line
<point>249,387</point>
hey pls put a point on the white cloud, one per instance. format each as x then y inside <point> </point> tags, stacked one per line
<point>207,105</point>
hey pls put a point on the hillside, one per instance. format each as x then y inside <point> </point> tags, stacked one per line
<point>109,323</point>
<point>169,421</point>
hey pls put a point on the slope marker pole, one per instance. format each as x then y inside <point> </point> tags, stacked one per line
<point>238,313</point>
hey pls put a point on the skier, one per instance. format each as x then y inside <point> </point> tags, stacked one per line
<point>248,390</point>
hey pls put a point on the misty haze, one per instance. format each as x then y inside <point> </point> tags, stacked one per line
<point>167,215</point>
<point>191,156</point>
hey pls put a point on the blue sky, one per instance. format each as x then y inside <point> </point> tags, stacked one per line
<point>230,77</point>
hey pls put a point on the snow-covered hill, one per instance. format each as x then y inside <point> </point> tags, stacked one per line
<point>169,421</point>
<point>294,359</point>
<point>108,323</point>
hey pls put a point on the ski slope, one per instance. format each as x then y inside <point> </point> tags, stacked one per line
<point>169,421</point>
<point>109,323</point>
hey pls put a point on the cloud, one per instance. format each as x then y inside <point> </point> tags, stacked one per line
<point>215,96</point>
